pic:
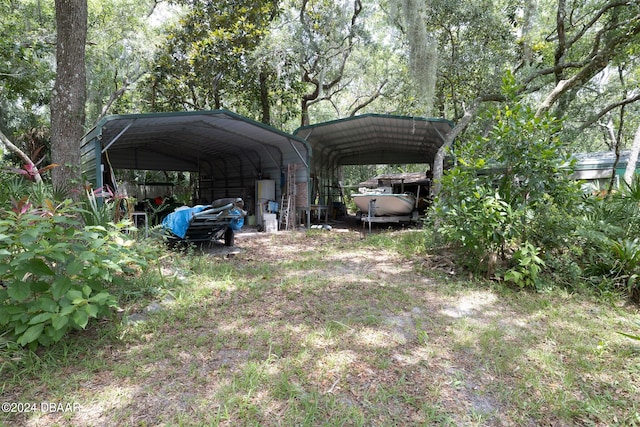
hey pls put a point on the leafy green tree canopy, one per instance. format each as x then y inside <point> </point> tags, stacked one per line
<point>205,61</point>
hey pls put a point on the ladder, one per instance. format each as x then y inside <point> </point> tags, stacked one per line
<point>288,212</point>
<point>284,213</point>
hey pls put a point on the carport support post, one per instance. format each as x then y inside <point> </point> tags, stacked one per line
<point>99,165</point>
<point>372,207</point>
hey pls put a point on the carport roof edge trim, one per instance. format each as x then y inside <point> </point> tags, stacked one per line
<point>375,115</point>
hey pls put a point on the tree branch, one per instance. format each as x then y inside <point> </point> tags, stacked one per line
<point>599,61</point>
<point>628,100</point>
<point>112,98</point>
<point>32,167</point>
<point>469,114</point>
<point>372,98</point>
<point>595,19</point>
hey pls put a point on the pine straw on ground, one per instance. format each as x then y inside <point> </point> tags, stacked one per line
<point>324,329</point>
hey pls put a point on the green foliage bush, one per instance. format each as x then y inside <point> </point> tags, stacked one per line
<point>608,235</point>
<point>56,272</point>
<point>480,222</point>
<point>510,193</point>
<point>528,265</point>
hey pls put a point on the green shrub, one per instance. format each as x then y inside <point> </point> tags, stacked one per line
<point>528,265</point>
<point>55,271</point>
<point>95,209</point>
<point>619,260</point>
<point>481,224</point>
<point>607,235</point>
<point>509,187</point>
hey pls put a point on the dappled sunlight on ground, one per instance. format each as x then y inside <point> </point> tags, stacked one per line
<point>318,329</point>
<point>335,362</point>
<point>472,303</point>
<point>92,412</point>
<point>416,356</point>
<point>373,337</point>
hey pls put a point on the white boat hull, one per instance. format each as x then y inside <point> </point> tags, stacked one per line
<point>385,204</point>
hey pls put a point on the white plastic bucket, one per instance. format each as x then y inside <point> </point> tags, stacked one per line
<point>270,222</point>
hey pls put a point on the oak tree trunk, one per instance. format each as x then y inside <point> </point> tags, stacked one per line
<point>69,93</point>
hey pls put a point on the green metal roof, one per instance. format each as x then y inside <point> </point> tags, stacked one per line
<point>375,139</point>
<point>601,160</point>
<point>188,140</point>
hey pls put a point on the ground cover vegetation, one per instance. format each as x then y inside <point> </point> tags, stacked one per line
<point>335,328</point>
<point>62,262</point>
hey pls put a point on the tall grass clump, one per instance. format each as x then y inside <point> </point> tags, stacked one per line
<point>408,243</point>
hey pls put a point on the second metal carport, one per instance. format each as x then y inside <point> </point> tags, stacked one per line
<point>369,139</point>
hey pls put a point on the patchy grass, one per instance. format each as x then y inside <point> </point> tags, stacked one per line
<point>334,328</point>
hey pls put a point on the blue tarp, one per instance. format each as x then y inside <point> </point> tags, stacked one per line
<point>178,221</point>
<point>236,223</point>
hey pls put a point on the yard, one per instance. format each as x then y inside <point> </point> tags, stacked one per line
<point>334,328</point>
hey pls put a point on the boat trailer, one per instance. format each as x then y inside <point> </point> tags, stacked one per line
<point>371,218</point>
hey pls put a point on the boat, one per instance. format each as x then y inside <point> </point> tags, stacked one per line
<point>384,202</point>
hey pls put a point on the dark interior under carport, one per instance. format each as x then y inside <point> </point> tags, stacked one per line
<point>229,152</point>
<point>367,140</point>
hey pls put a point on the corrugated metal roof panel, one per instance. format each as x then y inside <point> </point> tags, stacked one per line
<point>600,159</point>
<point>376,139</point>
<point>220,143</point>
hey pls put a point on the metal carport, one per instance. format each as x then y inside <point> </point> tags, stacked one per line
<point>370,139</point>
<point>229,152</point>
